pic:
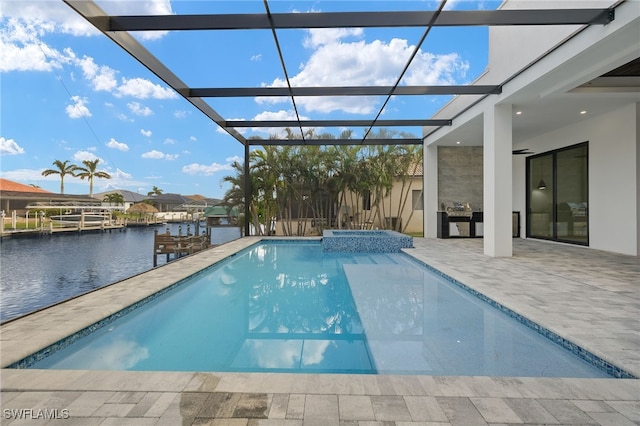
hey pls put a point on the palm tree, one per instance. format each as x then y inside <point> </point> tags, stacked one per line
<point>235,196</point>
<point>89,171</point>
<point>63,169</point>
<point>114,198</point>
<point>155,191</point>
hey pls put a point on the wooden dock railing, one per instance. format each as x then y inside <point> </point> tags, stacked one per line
<point>177,245</point>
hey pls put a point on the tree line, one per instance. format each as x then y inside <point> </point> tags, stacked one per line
<point>335,186</point>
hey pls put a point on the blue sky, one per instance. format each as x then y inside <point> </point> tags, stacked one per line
<point>69,93</point>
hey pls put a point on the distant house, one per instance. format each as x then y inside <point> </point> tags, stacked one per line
<point>19,197</point>
<point>199,203</point>
<point>402,209</point>
<point>217,215</point>
<point>130,198</point>
<point>169,202</point>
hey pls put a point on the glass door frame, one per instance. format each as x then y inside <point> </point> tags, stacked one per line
<point>554,190</point>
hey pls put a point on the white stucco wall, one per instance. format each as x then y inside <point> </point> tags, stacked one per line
<point>614,178</point>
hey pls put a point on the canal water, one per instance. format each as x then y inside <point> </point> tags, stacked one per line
<point>40,271</point>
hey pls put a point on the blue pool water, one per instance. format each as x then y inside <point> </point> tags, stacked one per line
<point>291,307</point>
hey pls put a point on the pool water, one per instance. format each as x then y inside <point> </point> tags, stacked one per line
<point>283,306</point>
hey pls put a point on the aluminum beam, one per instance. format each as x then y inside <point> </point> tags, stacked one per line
<point>316,142</point>
<point>344,91</point>
<point>446,18</point>
<point>338,123</point>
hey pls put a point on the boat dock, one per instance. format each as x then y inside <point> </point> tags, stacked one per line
<point>10,233</point>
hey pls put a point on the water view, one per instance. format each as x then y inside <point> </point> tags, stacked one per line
<point>38,272</point>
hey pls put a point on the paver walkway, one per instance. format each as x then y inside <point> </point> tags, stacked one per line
<point>590,297</point>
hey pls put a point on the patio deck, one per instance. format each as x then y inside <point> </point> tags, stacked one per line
<point>590,297</point>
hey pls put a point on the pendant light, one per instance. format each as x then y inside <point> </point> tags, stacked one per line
<point>542,185</point>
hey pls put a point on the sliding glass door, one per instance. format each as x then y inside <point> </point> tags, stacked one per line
<point>557,195</point>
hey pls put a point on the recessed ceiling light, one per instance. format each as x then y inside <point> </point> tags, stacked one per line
<point>518,112</point>
<point>458,143</point>
<point>583,112</point>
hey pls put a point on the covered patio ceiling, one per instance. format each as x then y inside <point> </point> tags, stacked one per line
<point>120,29</point>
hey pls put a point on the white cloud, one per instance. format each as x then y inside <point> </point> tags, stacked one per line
<point>117,145</point>
<point>159,155</point>
<point>138,109</point>
<point>47,17</point>
<point>146,133</point>
<point>154,154</point>
<point>120,179</point>
<point>101,77</point>
<point>180,114</point>
<point>119,174</point>
<point>281,115</point>
<point>193,138</point>
<point>169,141</point>
<point>256,58</point>
<point>335,62</point>
<point>322,36</point>
<point>237,158</point>
<point>141,7</point>
<point>26,55</point>
<point>10,147</point>
<point>143,89</point>
<point>28,175</point>
<point>86,155</point>
<point>78,109</point>
<point>61,18</point>
<point>205,170</point>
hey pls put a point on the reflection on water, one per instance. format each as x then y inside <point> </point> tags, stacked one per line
<point>38,272</point>
<point>298,299</point>
<point>114,354</point>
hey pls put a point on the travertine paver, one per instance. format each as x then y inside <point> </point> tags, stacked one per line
<point>390,408</point>
<point>592,297</point>
<point>425,409</point>
<point>321,407</point>
<point>355,407</point>
<point>530,411</point>
<point>295,409</point>
<point>461,411</point>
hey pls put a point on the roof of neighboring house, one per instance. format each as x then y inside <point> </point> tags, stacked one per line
<point>202,201</point>
<point>416,170</point>
<point>221,211</point>
<point>169,198</point>
<point>129,196</point>
<point>9,185</point>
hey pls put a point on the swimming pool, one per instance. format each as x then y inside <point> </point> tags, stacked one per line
<point>282,306</point>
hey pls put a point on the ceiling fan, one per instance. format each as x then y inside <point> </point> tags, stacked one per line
<point>522,151</point>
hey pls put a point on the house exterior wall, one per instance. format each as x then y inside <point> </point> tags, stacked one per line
<point>638,177</point>
<point>460,176</point>
<point>614,182</point>
<point>415,221</point>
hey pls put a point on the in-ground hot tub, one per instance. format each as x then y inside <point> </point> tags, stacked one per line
<point>354,241</point>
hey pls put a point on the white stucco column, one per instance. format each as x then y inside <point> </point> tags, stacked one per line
<point>430,193</point>
<point>498,178</point>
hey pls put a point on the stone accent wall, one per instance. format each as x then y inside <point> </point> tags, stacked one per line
<point>460,176</point>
